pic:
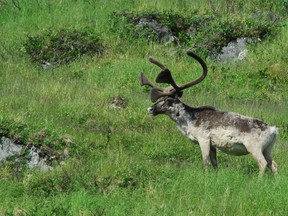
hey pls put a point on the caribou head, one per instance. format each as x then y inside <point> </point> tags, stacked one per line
<point>167,98</point>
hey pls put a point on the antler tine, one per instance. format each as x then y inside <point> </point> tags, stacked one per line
<point>145,81</point>
<point>165,75</point>
<point>156,62</point>
<point>204,72</point>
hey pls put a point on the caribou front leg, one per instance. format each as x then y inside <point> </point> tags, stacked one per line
<point>213,157</point>
<point>205,150</point>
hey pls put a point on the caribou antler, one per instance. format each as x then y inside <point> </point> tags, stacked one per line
<point>165,77</point>
<point>156,91</point>
<point>203,75</point>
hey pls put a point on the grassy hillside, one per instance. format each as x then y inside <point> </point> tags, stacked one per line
<point>121,161</point>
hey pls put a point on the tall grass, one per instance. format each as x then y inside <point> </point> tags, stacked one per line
<point>123,162</point>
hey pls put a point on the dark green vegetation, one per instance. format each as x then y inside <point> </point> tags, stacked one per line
<point>63,46</point>
<point>192,30</point>
<point>121,161</point>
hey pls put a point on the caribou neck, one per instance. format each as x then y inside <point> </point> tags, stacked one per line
<point>181,113</point>
<point>184,115</point>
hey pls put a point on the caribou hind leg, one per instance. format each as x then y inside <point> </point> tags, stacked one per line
<point>259,158</point>
<point>271,164</point>
<point>262,163</point>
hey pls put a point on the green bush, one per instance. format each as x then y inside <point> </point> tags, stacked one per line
<point>62,46</point>
<point>205,33</point>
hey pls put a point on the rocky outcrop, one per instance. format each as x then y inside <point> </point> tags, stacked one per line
<point>32,156</point>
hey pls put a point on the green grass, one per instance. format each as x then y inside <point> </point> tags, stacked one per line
<point>122,161</point>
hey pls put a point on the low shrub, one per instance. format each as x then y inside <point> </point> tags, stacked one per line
<point>205,33</point>
<point>58,47</point>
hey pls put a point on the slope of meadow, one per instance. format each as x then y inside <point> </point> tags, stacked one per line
<point>121,161</point>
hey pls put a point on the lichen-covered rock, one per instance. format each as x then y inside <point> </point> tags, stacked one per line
<point>41,158</point>
<point>8,148</point>
<point>235,50</point>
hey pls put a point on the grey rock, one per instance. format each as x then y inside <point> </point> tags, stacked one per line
<point>164,33</point>
<point>35,161</point>
<point>8,148</point>
<point>235,50</point>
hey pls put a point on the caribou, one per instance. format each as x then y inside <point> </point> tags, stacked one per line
<point>209,127</point>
